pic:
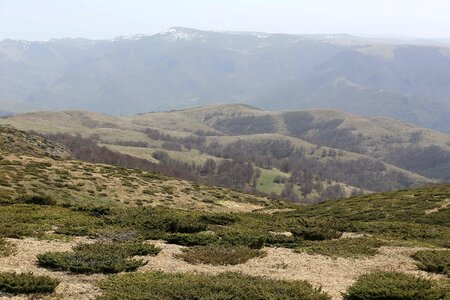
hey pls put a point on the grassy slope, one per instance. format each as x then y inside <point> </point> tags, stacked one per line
<point>376,131</point>
<point>26,169</point>
<point>416,217</point>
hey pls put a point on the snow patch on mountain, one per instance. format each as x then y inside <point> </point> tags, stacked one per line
<point>180,34</point>
<point>134,37</point>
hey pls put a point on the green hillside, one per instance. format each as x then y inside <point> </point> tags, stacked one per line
<point>76,225</point>
<point>323,153</point>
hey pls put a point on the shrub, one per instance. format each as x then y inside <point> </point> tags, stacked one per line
<point>37,199</point>
<point>392,285</point>
<point>250,238</point>
<point>219,219</point>
<point>435,261</point>
<point>6,248</point>
<point>282,240</point>
<point>98,258</point>
<point>350,247</point>
<point>316,233</point>
<point>219,255</point>
<point>158,285</point>
<point>88,263</point>
<point>318,230</point>
<point>26,283</point>
<point>73,230</point>
<point>27,220</point>
<point>185,225</point>
<point>122,249</point>
<point>156,223</point>
<point>193,239</point>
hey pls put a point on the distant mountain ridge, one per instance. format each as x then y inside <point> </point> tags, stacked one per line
<point>183,68</point>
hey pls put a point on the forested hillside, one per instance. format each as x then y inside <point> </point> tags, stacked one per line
<point>305,156</point>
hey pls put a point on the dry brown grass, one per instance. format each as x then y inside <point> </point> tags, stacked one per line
<point>112,184</point>
<point>334,275</point>
<point>73,287</point>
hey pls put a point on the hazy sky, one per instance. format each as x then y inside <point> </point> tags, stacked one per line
<point>45,19</point>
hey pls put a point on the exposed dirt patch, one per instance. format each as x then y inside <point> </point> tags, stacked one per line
<point>445,204</point>
<point>239,206</point>
<point>352,235</point>
<point>73,287</point>
<point>334,275</point>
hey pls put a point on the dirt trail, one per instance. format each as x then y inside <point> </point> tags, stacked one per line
<point>333,275</point>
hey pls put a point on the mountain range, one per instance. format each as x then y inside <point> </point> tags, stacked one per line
<point>184,68</point>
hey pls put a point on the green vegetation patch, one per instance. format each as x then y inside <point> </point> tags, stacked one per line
<point>30,220</point>
<point>435,261</point>
<point>37,199</point>
<point>219,255</point>
<point>158,285</point>
<point>6,248</point>
<point>193,239</point>
<point>98,258</point>
<point>348,247</point>
<point>404,206</point>
<point>393,285</point>
<point>26,283</point>
<point>402,231</point>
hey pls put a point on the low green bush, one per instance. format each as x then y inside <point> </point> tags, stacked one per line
<point>30,220</point>
<point>219,218</point>
<point>37,199</point>
<point>219,255</point>
<point>283,240</point>
<point>316,233</point>
<point>393,285</point>
<point>435,261</point>
<point>349,247</point>
<point>185,225</point>
<point>225,286</point>
<point>431,234</point>
<point>193,239</point>
<point>26,283</point>
<point>251,238</point>
<point>88,263</point>
<point>122,249</point>
<point>98,258</point>
<point>6,248</point>
<point>317,230</point>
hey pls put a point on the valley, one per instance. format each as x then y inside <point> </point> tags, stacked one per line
<point>304,156</point>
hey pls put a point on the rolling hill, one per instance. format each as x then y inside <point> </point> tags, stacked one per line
<point>184,68</point>
<point>306,156</point>
<point>76,230</point>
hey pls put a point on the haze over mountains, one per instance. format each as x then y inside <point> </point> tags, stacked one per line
<point>182,68</point>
